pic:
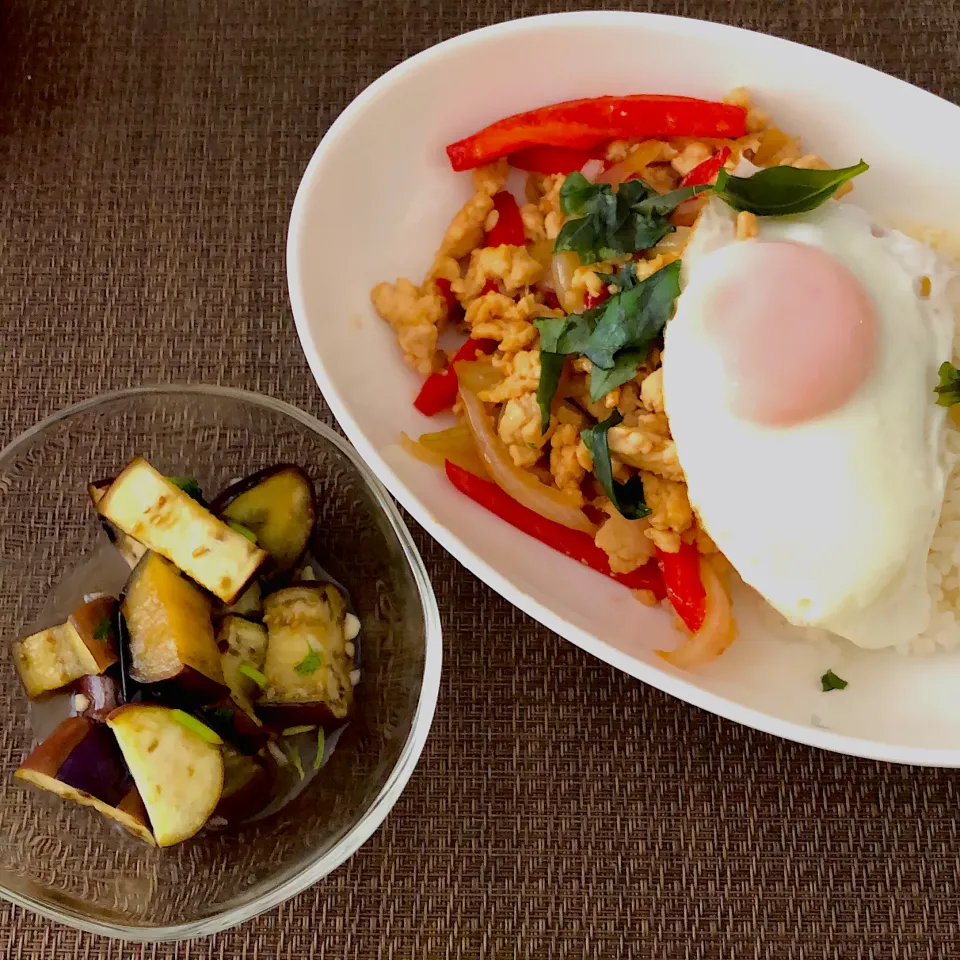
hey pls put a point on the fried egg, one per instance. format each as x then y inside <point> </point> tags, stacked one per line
<point>799,374</point>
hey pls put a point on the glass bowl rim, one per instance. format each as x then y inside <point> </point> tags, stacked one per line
<point>364,828</point>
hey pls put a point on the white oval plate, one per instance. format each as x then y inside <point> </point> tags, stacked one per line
<point>373,205</point>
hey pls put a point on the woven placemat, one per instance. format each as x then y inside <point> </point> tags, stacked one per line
<point>149,154</point>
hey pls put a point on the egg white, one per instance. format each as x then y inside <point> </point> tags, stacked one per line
<point>830,520</point>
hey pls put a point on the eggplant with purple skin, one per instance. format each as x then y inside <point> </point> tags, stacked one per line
<point>279,507</point>
<point>170,643</point>
<point>247,787</point>
<point>57,656</point>
<point>309,662</point>
<point>98,695</point>
<point>153,510</point>
<point>178,770</point>
<point>131,550</point>
<point>81,761</point>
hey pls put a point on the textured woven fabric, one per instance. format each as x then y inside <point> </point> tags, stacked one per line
<point>149,154</point>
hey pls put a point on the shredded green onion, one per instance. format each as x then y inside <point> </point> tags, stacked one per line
<point>252,673</point>
<point>293,731</point>
<point>321,747</point>
<point>195,726</point>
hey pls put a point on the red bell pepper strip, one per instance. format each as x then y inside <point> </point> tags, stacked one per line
<point>681,576</point>
<point>582,124</point>
<point>573,543</point>
<point>707,171</point>
<point>439,390</point>
<point>590,301</point>
<point>546,159</point>
<point>509,226</point>
<point>551,299</point>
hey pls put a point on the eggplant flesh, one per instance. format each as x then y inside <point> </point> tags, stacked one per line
<point>307,665</point>
<point>81,761</point>
<point>59,655</point>
<point>241,642</point>
<point>279,506</point>
<point>145,505</point>
<point>178,773</point>
<point>169,635</point>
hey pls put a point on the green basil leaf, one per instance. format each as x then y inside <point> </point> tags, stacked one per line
<point>663,204</point>
<point>625,365</point>
<point>577,191</point>
<point>551,367</point>
<point>781,191</point>
<point>626,497</point>
<point>948,393</point>
<point>189,486</point>
<point>635,317</point>
<point>830,681</point>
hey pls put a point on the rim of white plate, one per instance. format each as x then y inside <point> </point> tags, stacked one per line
<point>672,684</point>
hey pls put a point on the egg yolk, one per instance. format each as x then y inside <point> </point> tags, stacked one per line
<point>796,330</point>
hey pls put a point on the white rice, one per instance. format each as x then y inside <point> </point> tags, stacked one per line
<point>943,561</point>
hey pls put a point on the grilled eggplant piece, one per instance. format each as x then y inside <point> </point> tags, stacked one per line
<point>145,505</point>
<point>57,656</point>
<point>97,696</point>
<point>243,646</point>
<point>249,604</point>
<point>307,666</point>
<point>131,550</point>
<point>278,505</point>
<point>170,639</point>
<point>81,761</point>
<point>246,787</point>
<point>235,726</point>
<point>179,774</point>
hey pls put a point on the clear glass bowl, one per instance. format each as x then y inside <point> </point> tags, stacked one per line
<point>67,863</point>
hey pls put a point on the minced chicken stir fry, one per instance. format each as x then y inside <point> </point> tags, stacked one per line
<point>564,298</point>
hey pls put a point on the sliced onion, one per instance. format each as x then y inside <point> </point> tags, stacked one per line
<point>524,487</point>
<point>455,445</point>
<point>477,375</point>
<point>719,628</point>
<point>561,269</point>
<point>646,153</point>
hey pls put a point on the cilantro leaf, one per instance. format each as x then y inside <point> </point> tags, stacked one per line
<point>830,681</point>
<point>311,663</point>
<point>948,393</point>
<point>189,486</point>
<point>635,317</point>
<point>626,497</point>
<point>780,191</point>
<point>103,630</point>
<point>551,367</point>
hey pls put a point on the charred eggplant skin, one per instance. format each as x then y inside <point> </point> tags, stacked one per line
<point>279,505</point>
<point>102,694</point>
<point>145,505</point>
<point>169,645</point>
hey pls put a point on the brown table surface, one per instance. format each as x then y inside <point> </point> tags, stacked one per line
<point>149,154</point>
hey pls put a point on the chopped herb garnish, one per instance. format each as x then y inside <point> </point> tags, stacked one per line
<point>311,663</point>
<point>252,673</point>
<point>781,191</point>
<point>195,726</point>
<point>221,715</point>
<point>830,681</point>
<point>616,336</point>
<point>104,629</point>
<point>189,486</point>
<point>626,497</point>
<point>294,754</point>
<point>293,731</point>
<point>948,393</point>
<point>613,223</point>
<point>321,747</point>
<point>242,530</point>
